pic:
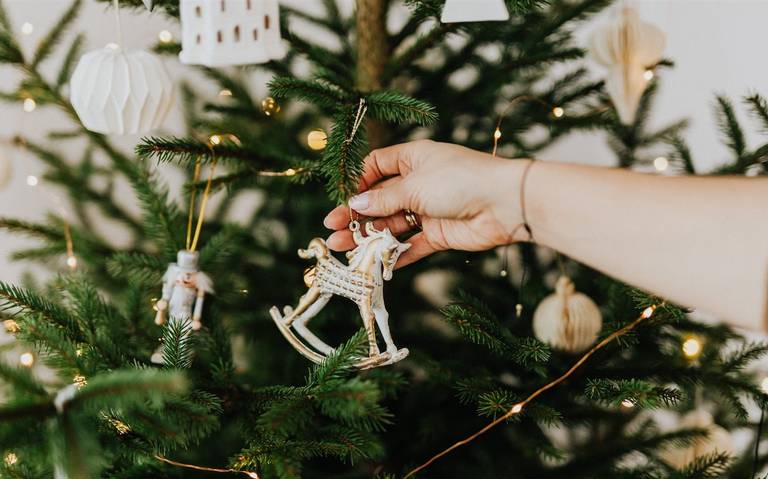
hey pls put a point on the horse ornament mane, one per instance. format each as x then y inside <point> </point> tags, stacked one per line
<point>361,281</point>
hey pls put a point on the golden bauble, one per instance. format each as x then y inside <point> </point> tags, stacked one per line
<point>567,320</point>
<point>317,139</point>
<point>270,106</point>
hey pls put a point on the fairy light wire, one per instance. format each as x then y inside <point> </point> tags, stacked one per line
<point>250,474</point>
<point>518,408</point>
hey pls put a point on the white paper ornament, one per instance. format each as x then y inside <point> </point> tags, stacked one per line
<point>627,46</point>
<point>567,320</point>
<point>219,33</point>
<point>456,11</point>
<point>717,440</point>
<point>120,92</point>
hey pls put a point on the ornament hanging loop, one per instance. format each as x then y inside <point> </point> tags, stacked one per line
<point>116,4</point>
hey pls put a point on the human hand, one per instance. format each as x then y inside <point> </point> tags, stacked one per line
<point>467,200</point>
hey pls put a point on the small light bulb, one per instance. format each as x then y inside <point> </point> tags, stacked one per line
<point>11,326</point>
<point>215,140</point>
<point>517,408</point>
<point>80,381</point>
<point>27,28</point>
<point>11,458</point>
<point>32,180</point>
<point>519,309</point>
<point>628,403</point>
<point>165,36</point>
<point>503,273</point>
<point>243,291</point>
<point>558,112</point>
<point>72,262</point>
<point>290,172</point>
<point>648,75</point>
<point>497,134</point>
<point>692,348</point>
<point>252,475</point>
<point>317,139</point>
<point>29,105</point>
<point>27,359</point>
<point>79,352</point>
<point>648,312</point>
<point>661,163</point>
<point>764,385</point>
<point>225,92</point>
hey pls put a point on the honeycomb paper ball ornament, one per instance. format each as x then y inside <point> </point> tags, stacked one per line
<point>119,92</point>
<point>717,440</point>
<point>567,320</point>
<point>456,11</point>
<point>627,46</point>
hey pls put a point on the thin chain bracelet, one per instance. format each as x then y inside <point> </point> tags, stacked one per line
<point>524,224</point>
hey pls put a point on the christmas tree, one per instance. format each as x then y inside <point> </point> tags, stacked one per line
<point>233,397</point>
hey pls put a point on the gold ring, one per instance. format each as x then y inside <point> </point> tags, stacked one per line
<point>412,219</point>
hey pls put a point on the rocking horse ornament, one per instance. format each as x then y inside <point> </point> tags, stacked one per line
<point>362,281</point>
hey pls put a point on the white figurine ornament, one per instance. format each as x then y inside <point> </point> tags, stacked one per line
<point>184,288</point>
<point>362,281</point>
<point>627,46</point>
<point>567,320</point>
<point>218,33</point>
<point>457,11</point>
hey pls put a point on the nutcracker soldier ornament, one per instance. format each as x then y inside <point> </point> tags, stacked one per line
<point>184,289</point>
<point>362,281</point>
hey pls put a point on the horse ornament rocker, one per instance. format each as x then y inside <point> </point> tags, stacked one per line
<point>362,281</point>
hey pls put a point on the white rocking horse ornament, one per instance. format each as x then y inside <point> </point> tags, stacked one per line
<point>362,281</point>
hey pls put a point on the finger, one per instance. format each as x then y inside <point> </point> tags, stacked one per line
<point>382,163</point>
<point>396,223</point>
<point>420,248</point>
<point>339,217</point>
<point>384,201</point>
<point>341,241</point>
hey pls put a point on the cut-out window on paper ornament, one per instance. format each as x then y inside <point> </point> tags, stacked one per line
<point>211,29</point>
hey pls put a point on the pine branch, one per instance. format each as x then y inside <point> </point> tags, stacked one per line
<point>729,125</point>
<point>189,150</point>
<point>178,344</point>
<point>341,362</point>
<point>343,156</point>
<point>321,94</point>
<point>395,107</point>
<point>20,301</point>
<point>70,59</point>
<point>47,44</point>
<point>136,267</point>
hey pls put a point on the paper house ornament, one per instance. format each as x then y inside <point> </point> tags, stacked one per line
<point>119,92</point>
<point>456,11</point>
<point>219,33</point>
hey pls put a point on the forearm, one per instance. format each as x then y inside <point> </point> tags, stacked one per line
<point>701,242</point>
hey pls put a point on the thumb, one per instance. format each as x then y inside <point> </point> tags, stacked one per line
<point>381,201</point>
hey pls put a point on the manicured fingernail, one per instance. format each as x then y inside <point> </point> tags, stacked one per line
<point>360,202</point>
<point>326,221</point>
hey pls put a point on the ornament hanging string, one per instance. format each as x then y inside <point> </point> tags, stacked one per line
<point>192,245</point>
<point>190,217</point>
<point>518,408</point>
<point>71,260</point>
<point>119,25</point>
<point>362,109</point>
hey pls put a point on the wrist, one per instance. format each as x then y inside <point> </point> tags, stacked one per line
<point>512,204</point>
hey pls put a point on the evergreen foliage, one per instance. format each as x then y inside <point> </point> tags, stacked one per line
<point>234,394</point>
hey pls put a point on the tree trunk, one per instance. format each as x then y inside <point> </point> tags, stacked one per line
<point>372,56</point>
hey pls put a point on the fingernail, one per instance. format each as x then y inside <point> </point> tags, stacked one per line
<point>360,202</point>
<point>326,221</point>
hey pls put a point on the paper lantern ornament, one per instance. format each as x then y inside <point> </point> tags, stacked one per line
<point>456,11</point>
<point>567,320</point>
<point>627,46</point>
<point>717,440</point>
<point>119,92</point>
<point>218,33</point>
